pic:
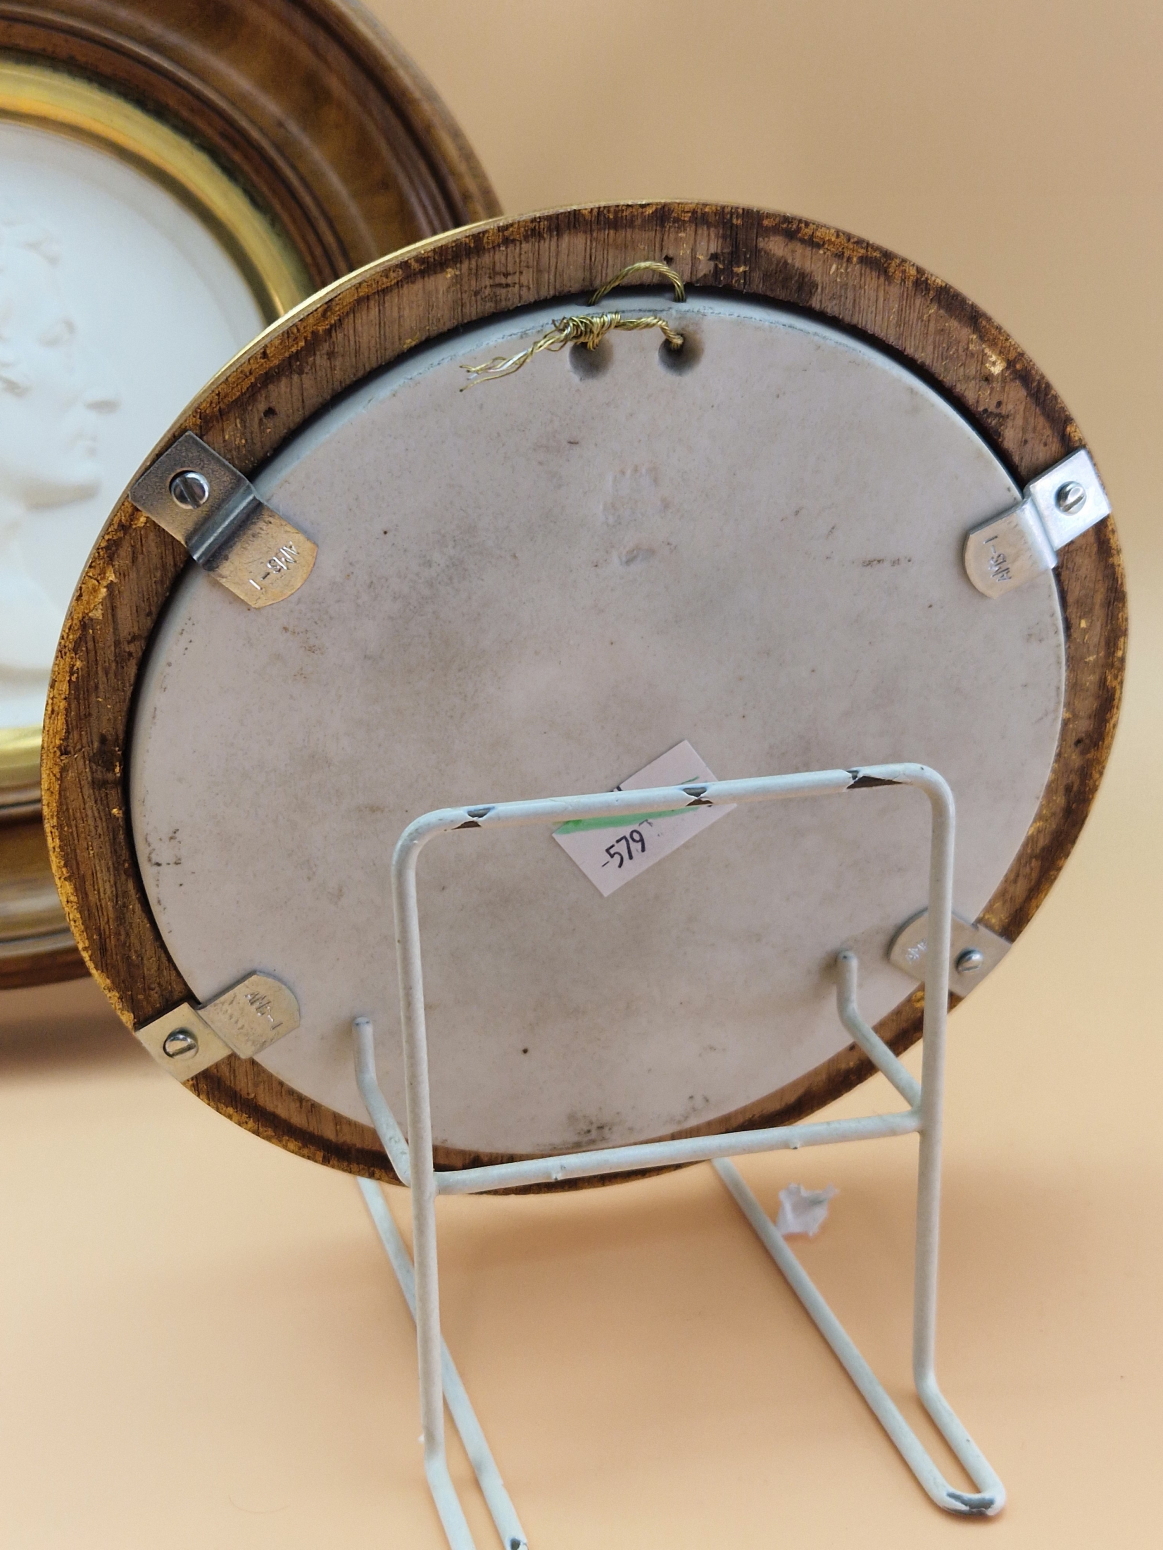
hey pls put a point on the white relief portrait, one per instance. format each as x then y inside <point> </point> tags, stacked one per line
<point>116,306</point>
<point>51,396</point>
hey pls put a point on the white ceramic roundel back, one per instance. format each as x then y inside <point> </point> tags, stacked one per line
<point>539,586</point>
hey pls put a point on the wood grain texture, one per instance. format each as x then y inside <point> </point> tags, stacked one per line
<point>361,324</point>
<point>307,104</point>
<point>51,966</point>
<point>26,890</point>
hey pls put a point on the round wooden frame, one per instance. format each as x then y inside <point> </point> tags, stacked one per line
<point>302,136</point>
<point>359,325</point>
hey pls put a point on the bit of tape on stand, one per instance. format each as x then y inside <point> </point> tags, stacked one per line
<point>206,504</point>
<point>973,951</point>
<point>1023,542</point>
<point>242,1021</point>
<point>803,1210</point>
<point>612,851</point>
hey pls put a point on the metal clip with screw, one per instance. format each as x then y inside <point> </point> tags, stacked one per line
<point>206,504</point>
<point>242,1021</point>
<point>974,951</point>
<point>1058,505</point>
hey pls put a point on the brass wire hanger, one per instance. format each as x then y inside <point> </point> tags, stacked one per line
<point>587,329</point>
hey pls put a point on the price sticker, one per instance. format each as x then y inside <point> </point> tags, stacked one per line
<point>610,851</point>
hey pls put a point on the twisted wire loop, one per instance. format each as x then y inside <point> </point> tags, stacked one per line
<point>643,265</point>
<point>588,329</point>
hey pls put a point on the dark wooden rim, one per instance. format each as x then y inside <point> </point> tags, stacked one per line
<point>359,325</point>
<point>308,104</point>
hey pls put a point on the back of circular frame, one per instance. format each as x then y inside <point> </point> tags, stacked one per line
<point>359,325</point>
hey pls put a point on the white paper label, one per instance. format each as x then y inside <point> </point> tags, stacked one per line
<point>610,851</point>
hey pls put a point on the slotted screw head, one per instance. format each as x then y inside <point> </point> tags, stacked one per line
<point>189,489</point>
<point>180,1042</point>
<point>1070,498</point>
<point>970,960</point>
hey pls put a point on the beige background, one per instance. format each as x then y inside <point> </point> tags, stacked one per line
<point>202,1344</point>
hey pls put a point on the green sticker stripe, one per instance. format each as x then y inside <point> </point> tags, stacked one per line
<point>577,825</point>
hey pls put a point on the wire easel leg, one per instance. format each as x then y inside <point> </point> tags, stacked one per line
<point>425,1300</point>
<point>493,1490</point>
<point>992,1497</point>
<point>929,1100</point>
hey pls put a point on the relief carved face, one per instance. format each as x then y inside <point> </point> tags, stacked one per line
<point>105,278</point>
<point>49,395</point>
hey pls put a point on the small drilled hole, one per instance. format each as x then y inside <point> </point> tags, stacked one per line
<point>585,362</point>
<point>688,354</point>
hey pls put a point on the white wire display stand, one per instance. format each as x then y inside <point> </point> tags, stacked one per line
<point>412,1159</point>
